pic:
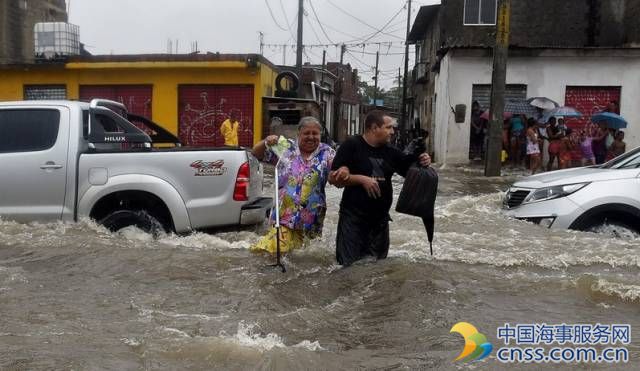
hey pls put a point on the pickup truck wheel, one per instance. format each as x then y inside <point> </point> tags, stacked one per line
<point>138,218</point>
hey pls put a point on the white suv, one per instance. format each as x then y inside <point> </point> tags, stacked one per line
<point>581,198</point>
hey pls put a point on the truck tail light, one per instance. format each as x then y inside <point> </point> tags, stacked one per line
<point>241,189</point>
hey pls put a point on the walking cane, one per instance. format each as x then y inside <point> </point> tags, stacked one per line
<point>277,208</point>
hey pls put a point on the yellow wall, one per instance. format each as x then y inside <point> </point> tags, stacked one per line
<point>165,77</point>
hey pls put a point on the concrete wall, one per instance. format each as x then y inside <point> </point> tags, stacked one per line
<point>17,19</point>
<point>547,74</point>
<point>547,23</point>
<point>165,77</point>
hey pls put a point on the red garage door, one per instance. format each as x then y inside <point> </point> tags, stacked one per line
<point>137,98</point>
<point>203,108</point>
<point>589,100</point>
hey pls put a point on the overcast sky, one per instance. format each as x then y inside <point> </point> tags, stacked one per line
<point>146,26</point>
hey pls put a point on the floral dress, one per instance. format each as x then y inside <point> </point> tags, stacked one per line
<point>301,185</point>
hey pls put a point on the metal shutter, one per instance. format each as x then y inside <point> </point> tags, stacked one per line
<point>482,93</point>
<point>203,108</point>
<point>137,98</point>
<point>589,100</point>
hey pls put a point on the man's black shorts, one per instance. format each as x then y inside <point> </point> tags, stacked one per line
<point>358,237</point>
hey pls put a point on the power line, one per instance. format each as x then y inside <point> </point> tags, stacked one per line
<point>312,28</point>
<point>286,19</point>
<point>386,43</point>
<point>360,38</point>
<point>273,17</point>
<point>361,21</point>
<point>318,19</point>
<point>386,24</point>
<point>359,60</point>
<point>373,53</point>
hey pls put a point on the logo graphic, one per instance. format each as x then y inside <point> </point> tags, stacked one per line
<point>204,168</point>
<point>476,346</point>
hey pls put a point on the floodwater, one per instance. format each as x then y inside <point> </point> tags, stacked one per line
<point>76,297</point>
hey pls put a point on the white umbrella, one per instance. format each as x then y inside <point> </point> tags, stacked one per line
<point>543,102</point>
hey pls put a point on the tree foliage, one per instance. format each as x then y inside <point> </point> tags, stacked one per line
<point>391,97</point>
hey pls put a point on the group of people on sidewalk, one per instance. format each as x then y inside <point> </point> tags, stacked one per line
<point>594,144</point>
<point>525,141</point>
<point>363,165</point>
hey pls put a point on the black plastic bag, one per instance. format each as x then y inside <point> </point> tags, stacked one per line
<point>418,196</point>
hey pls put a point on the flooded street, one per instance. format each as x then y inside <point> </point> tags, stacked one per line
<point>74,296</point>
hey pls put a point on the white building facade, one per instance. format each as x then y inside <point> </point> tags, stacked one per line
<point>576,77</point>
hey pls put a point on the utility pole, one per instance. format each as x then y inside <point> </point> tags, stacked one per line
<point>299,43</point>
<point>343,48</point>
<point>375,78</point>
<point>261,42</point>
<point>399,88</point>
<point>284,55</point>
<point>493,159</point>
<point>324,66</point>
<point>403,116</point>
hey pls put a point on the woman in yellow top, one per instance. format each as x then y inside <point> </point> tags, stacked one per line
<point>229,130</point>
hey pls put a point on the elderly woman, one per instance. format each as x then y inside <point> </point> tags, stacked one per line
<point>303,170</point>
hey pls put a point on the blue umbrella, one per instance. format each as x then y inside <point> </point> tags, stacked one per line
<point>612,120</point>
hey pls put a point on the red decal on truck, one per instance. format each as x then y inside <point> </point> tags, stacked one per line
<point>213,168</point>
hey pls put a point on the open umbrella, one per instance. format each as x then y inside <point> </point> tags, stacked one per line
<point>563,111</point>
<point>543,102</point>
<point>520,107</point>
<point>612,120</point>
<point>505,115</point>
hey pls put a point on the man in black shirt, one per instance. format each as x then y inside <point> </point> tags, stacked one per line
<point>364,165</point>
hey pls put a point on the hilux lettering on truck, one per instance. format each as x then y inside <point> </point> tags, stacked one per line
<point>67,161</point>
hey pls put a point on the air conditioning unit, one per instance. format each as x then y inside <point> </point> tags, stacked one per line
<point>55,40</point>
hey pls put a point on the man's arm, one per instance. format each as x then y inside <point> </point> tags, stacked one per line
<point>404,161</point>
<point>341,178</point>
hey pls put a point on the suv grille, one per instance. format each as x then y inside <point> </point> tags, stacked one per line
<point>515,198</point>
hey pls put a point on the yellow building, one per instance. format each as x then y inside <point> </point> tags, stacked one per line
<point>189,95</point>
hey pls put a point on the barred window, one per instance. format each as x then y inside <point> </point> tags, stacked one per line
<point>45,92</point>
<point>480,12</point>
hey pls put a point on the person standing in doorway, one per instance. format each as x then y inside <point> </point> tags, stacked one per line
<point>477,131</point>
<point>229,129</point>
<point>364,165</point>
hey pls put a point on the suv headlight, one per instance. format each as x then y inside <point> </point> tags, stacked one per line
<point>549,193</point>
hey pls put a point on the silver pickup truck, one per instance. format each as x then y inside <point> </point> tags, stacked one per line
<point>62,160</point>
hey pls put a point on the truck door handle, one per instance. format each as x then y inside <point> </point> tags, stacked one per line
<point>50,165</point>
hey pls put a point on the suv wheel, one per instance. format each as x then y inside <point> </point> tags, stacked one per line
<point>614,228</point>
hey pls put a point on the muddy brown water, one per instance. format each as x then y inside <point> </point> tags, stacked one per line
<point>77,297</point>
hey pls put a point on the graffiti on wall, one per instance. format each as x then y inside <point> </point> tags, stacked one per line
<point>203,111</point>
<point>589,100</point>
<point>136,98</point>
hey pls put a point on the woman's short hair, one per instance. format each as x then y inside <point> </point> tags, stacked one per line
<point>307,120</point>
